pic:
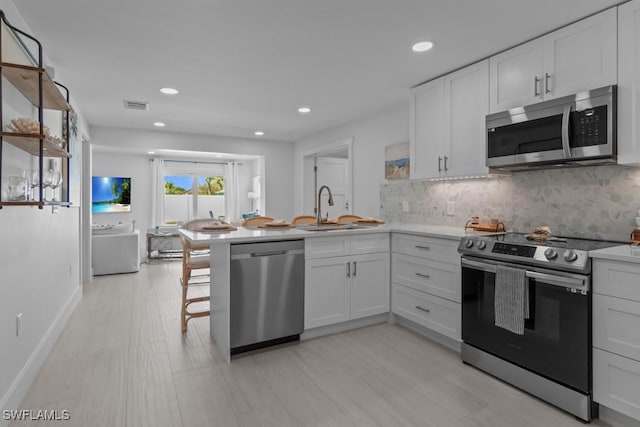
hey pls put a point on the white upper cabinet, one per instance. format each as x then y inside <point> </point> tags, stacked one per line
<point>515,77</point>
<point>629,83</point>
<point>427,129</point>
<point>582,56</point>
<point>447,124</point>
<point>466,99</point>
<point>579,57</point>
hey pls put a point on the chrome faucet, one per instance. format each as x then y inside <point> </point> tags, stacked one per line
<point>319,217</point>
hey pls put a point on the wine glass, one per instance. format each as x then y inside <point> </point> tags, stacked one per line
<point>33,180</point>
<point>47,179</point>
<point>56,180</point>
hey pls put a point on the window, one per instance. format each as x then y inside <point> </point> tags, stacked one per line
<point>193,194</point>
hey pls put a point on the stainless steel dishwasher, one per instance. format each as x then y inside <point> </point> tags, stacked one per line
<point>267,294</point>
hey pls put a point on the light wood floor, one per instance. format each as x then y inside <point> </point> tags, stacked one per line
<point>121,361</point>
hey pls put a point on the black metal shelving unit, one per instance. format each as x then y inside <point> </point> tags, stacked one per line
<point>33,82</point>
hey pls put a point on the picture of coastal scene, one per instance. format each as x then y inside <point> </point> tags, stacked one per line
<point>396,161</point>
<point>110,194</point>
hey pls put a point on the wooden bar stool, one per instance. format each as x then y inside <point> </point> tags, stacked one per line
<point>304,219</point>
<point>194,257</point>
<point>348,218</point>
<point>256,221</point>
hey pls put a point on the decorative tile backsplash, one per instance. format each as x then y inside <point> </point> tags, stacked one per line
<point>593,202</point>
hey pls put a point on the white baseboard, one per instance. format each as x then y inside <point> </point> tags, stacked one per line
<point>19,388</point>
<point>617,419</point>
<point>428,333</point>
<point>344,326</point>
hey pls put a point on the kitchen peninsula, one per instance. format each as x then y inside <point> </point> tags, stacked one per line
<point>354,250</point>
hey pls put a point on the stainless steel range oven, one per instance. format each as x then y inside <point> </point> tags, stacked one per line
<point>550,356</point>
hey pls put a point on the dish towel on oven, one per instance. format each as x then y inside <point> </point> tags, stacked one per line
<point>511,303</point>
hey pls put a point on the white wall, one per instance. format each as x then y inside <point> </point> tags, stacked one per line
<point>371,134</point>
<point>138,167</point>
<point>278,157</point>
<point>39,261</point>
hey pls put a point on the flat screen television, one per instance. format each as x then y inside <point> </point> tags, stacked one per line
<point>110,194</point>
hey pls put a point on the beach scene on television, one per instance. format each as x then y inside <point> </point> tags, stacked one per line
<point>110,194</point>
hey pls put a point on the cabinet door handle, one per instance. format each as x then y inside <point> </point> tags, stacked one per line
<point>445,163</point>
<point>354,268</point>
<point>348,269</point>
<point>426,276</point>
<point>423,247</point>
<point>547,89</point>
<point>536,80</point>
<point>439,164</point>
<point>426,310</point>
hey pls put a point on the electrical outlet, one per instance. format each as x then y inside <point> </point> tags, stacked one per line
<point>405,206</point>
<point>451,208</point>
<point>18,324</point>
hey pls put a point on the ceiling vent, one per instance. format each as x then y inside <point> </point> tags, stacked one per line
<point>136,105</point>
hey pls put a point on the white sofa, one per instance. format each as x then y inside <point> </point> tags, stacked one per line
<point>115,253</point>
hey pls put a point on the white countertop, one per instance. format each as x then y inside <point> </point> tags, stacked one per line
<point>243,235</point>
<point>618,253</point>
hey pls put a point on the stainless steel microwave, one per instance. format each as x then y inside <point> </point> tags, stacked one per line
<point>574,130</point>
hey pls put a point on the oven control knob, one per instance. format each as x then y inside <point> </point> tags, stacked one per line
<point>482,244</point>
<point>570,256</point>
<point>550,253</point>
<point>468,244</point>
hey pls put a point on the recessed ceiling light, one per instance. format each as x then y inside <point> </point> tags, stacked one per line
<point>304,110</point>
<point>151,152</point>
<point>258,133</point>
<point>169,91</point>
<point>159,124</point>
<point>422,46</point>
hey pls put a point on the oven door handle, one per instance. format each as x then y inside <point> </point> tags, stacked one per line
<point>566,282</point>
<point>478,266</point>
<point>551,279</point>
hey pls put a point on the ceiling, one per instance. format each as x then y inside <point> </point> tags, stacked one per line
<point>243,66</point>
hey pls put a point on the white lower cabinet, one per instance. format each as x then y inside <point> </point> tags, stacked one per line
<point>616,336</point>
<point>435,313</point>
<point>326,288</point>
<point>425,281</point>
<point>348,287</point>
<point>616,382</point>
<point>369,285</point>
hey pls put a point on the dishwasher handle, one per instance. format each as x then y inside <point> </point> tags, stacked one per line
<point>272,253</point>
<point>261,254</point>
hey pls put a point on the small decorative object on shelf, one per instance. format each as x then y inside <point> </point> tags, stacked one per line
<point>24,69</point>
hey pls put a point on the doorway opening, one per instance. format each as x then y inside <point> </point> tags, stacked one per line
<point>330,166</point>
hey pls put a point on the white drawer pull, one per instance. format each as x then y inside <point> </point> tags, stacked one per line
<point>426,310</point>
<point>426,276</point>
<point>423,247</point>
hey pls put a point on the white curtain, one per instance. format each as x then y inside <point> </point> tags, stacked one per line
<point>231,192</point>
<point>157,191</point>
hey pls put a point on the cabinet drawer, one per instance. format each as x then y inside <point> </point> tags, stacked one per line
<point>325,247</point>
<point>425,275</point>
<point>433,248</point>
<point>616,382</point>
<point>369,243</point>
<point>616,323</point>
<point>615,278</point>
<point>435,313</point>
